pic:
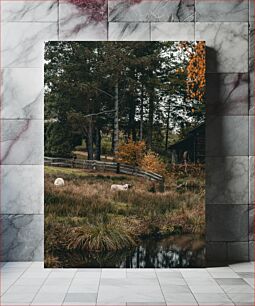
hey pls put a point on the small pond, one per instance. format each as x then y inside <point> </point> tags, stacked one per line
<point>180,251</point>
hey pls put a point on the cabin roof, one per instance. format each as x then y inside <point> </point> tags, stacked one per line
<point>190,135</point>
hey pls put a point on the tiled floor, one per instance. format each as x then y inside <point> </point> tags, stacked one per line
<point>27,283</point>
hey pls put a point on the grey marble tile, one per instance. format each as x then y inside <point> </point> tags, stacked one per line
<point>23,10</point>
<point>251,135</point>
<point>251,222</point>
<point>219,298</point>
<point>227,180</point>
<point>22,93</point>
<point>251,250</point>
<point>81,297</point>
<point>22,142</point>
<point>129,31</point>
<point>251,180</point>
<point>227,223</point>
<point>251,94</point>
<point>22,43</point>
<point>242,299</point>
<point>251,10</point>
<point>22,189</point>
<point>75,24</point>
<point>153,10</point>
<point>22,237</point>
<point>227,94</point>
<point>173,31</point>
<point>251,70</point>
<point>227,135</point>
<point>226,43</point>
<point>237,251</point>
<point>216,252</point>
<point>234,10</point>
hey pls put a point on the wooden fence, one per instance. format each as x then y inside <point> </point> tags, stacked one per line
<point>101,166</point>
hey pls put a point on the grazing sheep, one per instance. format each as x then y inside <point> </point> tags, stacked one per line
<point>59,182</point>
<point>116,187</point>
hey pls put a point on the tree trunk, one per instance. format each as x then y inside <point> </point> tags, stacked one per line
<point>167,126</point>
<point>141,118</point>
<point>151,115</point>
<point>98,144</point>
<point>131,119</point>
<point>116,120</point>
<point>90,139</point>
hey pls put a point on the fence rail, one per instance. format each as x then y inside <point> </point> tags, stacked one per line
<point>101,166</point>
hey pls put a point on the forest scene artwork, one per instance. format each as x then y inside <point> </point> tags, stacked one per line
<point>124,136</point>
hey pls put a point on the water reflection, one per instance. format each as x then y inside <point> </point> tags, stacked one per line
<point>172,252</point>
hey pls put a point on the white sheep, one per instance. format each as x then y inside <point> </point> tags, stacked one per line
<point>116,187</point>
<point>59,182</point>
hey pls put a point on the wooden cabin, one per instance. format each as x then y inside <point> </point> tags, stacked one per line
<point>194,144</point>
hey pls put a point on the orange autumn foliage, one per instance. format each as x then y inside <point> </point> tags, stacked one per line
<point>196,72</point>
<point>131,152</point>
<point>152,162</point>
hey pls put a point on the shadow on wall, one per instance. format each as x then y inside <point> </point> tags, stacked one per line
<point>213,252</point>
<point>224,223</point>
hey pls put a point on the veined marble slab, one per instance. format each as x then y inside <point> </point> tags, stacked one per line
<point>23,42</point>
<point>251,215</point>
<point>227,94</point>
<point>22,93</point>
<point>75,24</point>
<point>227,180</point>
<point>251,180</point>
<point>22,237</point>
<point>129,31</point>
<point>22,189</point>
<point>23,10</point>
<point>227,223</point>
<point>251,136</point>
<point>212,10</point>
<point>251,69</point>
<point>22,142</point>
<point>251,10</point>
<point>174,31</point>
<point>227,43</point>
<point>151,10</point>
<point>227,136</point>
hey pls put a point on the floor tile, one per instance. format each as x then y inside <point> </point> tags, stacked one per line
<point>246,274</point>
<point>243,267</point>
<point>84,285</point>
<point>175,289</point>
<point>193,273</point>
<point>230,281</point>
<point>213,299</point>
<point>147,303</point>
<point>171,281</point>
<point>242,299</point>
<point>44,298</point>
<point>81,297</point>
<point>237,289</point>
<point>113,273</point>
<point>222,272</point>
<point>249,281</point>
<point>180,299</point>
<point>212,289</point>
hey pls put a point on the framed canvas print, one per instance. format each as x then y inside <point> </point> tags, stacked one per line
<point>124,154</point>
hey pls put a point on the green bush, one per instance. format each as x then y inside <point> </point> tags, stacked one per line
<point>58,140</point>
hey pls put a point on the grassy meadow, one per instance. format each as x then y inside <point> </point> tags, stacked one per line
<point>86,216</point>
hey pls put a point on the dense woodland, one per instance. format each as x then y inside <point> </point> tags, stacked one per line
<point>105,93</point>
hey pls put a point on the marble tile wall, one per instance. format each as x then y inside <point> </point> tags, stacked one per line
<point>228,29</point>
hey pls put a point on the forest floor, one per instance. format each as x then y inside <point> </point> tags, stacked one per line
<point>86,215</point>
